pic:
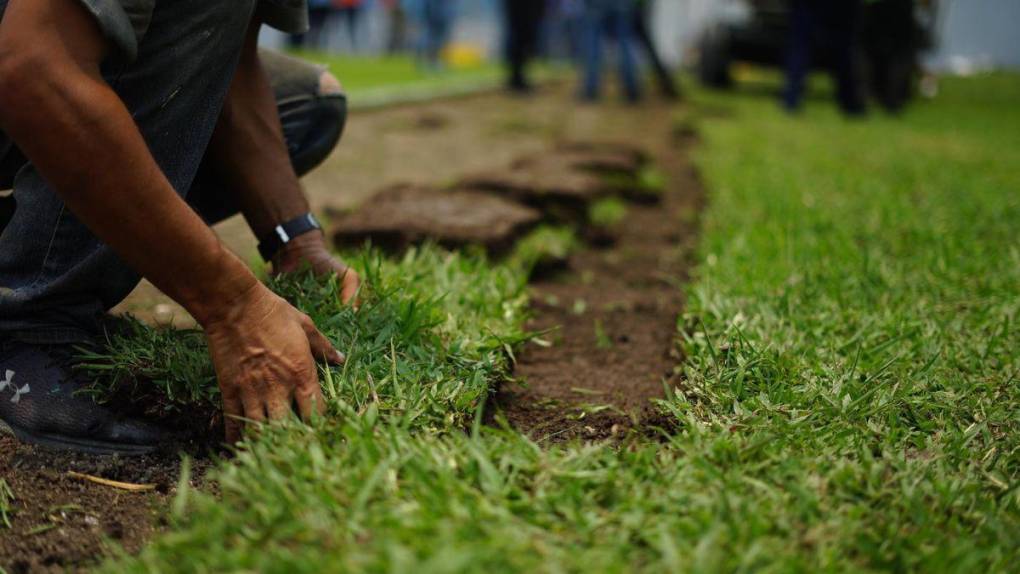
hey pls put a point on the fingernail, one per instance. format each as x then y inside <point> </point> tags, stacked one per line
<point>339,357</point>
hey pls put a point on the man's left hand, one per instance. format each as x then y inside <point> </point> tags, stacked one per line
<point>310,249</point>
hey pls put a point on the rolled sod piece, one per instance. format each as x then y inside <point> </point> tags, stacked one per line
<point>565,181</point>
<point>547,183</point>
<point>625,169</point>
<point>604,157</point>
<point>405,215</point>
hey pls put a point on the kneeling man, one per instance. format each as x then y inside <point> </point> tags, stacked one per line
<point>131,126</point>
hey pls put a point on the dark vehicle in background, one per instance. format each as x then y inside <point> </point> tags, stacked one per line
<point>893,34</point>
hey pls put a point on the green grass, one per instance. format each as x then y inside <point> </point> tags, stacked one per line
<point>371,79</point>
<point>850,400</point>
<point>852,334</point>
<point>607,212</point>
<point>431,337</point>
<point>547,246</point>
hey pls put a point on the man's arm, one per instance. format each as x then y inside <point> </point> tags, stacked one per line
<point>56,106</point>
<point>250,156</point>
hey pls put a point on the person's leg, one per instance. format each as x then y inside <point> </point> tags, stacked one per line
<point>591,50</point>
<point>534,11</point>
<point>56,278</point>
<point>7,208</point>
<point>316,27</point>
<point>11,161</point>
<point>444,27</point>
<point>431,21</point>
<point>349,15</point>
<point>621,22</point>
<point>643,35</point>
<point>514,14</point>
<point>397,42</point>
<point>313,112</point>
<point>798,53</point>
<point>843,20</point>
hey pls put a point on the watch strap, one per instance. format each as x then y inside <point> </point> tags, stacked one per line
<point>271,243</point>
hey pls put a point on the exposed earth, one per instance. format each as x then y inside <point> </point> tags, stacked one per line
<point>610,317</point>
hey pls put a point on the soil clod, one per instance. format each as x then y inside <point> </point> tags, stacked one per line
<point>406,215</point>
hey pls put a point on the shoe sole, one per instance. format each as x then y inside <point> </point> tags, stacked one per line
<point>85,446</point>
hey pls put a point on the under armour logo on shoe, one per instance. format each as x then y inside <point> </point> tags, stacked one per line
<point>9,382</point>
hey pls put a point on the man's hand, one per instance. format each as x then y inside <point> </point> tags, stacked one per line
<point>263,351</point>
<point>310,249</point>
<point>250,156</point>
<point>55,103</point>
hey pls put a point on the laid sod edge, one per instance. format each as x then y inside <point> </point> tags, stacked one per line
<point>433,334</point>
<point>850,403</point>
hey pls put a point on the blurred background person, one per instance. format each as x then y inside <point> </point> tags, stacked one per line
<point>894,38</point>
<point>561,30</point>
<point>396,36</point>
<point>834,26</point>
<point>319,12</point>
<point>436,19</point>
<point>608,20</point>
<point>523,19</point>
<point>643,35</point>
<point>349,13</point>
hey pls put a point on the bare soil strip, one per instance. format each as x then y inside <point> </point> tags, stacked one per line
<point>611,322</point>
<point>62,522</point>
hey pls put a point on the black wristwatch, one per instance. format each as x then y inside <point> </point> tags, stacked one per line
<point>271,243</point>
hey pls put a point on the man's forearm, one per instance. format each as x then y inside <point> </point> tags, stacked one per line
<point>248,150</point>
<point>83,141</point>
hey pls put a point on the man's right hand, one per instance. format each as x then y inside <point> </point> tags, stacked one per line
<point>264,351</point>
<point>55,103</point>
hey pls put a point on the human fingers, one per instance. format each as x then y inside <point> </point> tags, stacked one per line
<point>309,400</point>
<point>232,425</point>
<point>320,346</point>
<point>254,407</point>
<point>278,404</point>
<point>350,284</point>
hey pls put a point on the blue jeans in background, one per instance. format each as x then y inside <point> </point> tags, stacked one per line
<point>608,19</point>
<point>437,18</point>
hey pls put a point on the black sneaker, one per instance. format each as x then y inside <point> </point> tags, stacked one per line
<point>39,404</point>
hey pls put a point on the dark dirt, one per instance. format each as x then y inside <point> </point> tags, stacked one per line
<point>405,215</point>
<point>62,523</point>
<point>612,325</point>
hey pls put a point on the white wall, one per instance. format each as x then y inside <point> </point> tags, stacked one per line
<point>978,33</point>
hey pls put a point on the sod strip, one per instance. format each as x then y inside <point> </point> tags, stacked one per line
<point>851,401</point>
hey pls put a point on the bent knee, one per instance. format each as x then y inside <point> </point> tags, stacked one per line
<point>314,128</point>
<point>329,85</point>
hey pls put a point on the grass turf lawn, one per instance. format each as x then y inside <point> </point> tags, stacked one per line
<point>851,400</point>
<point>370,80</point>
